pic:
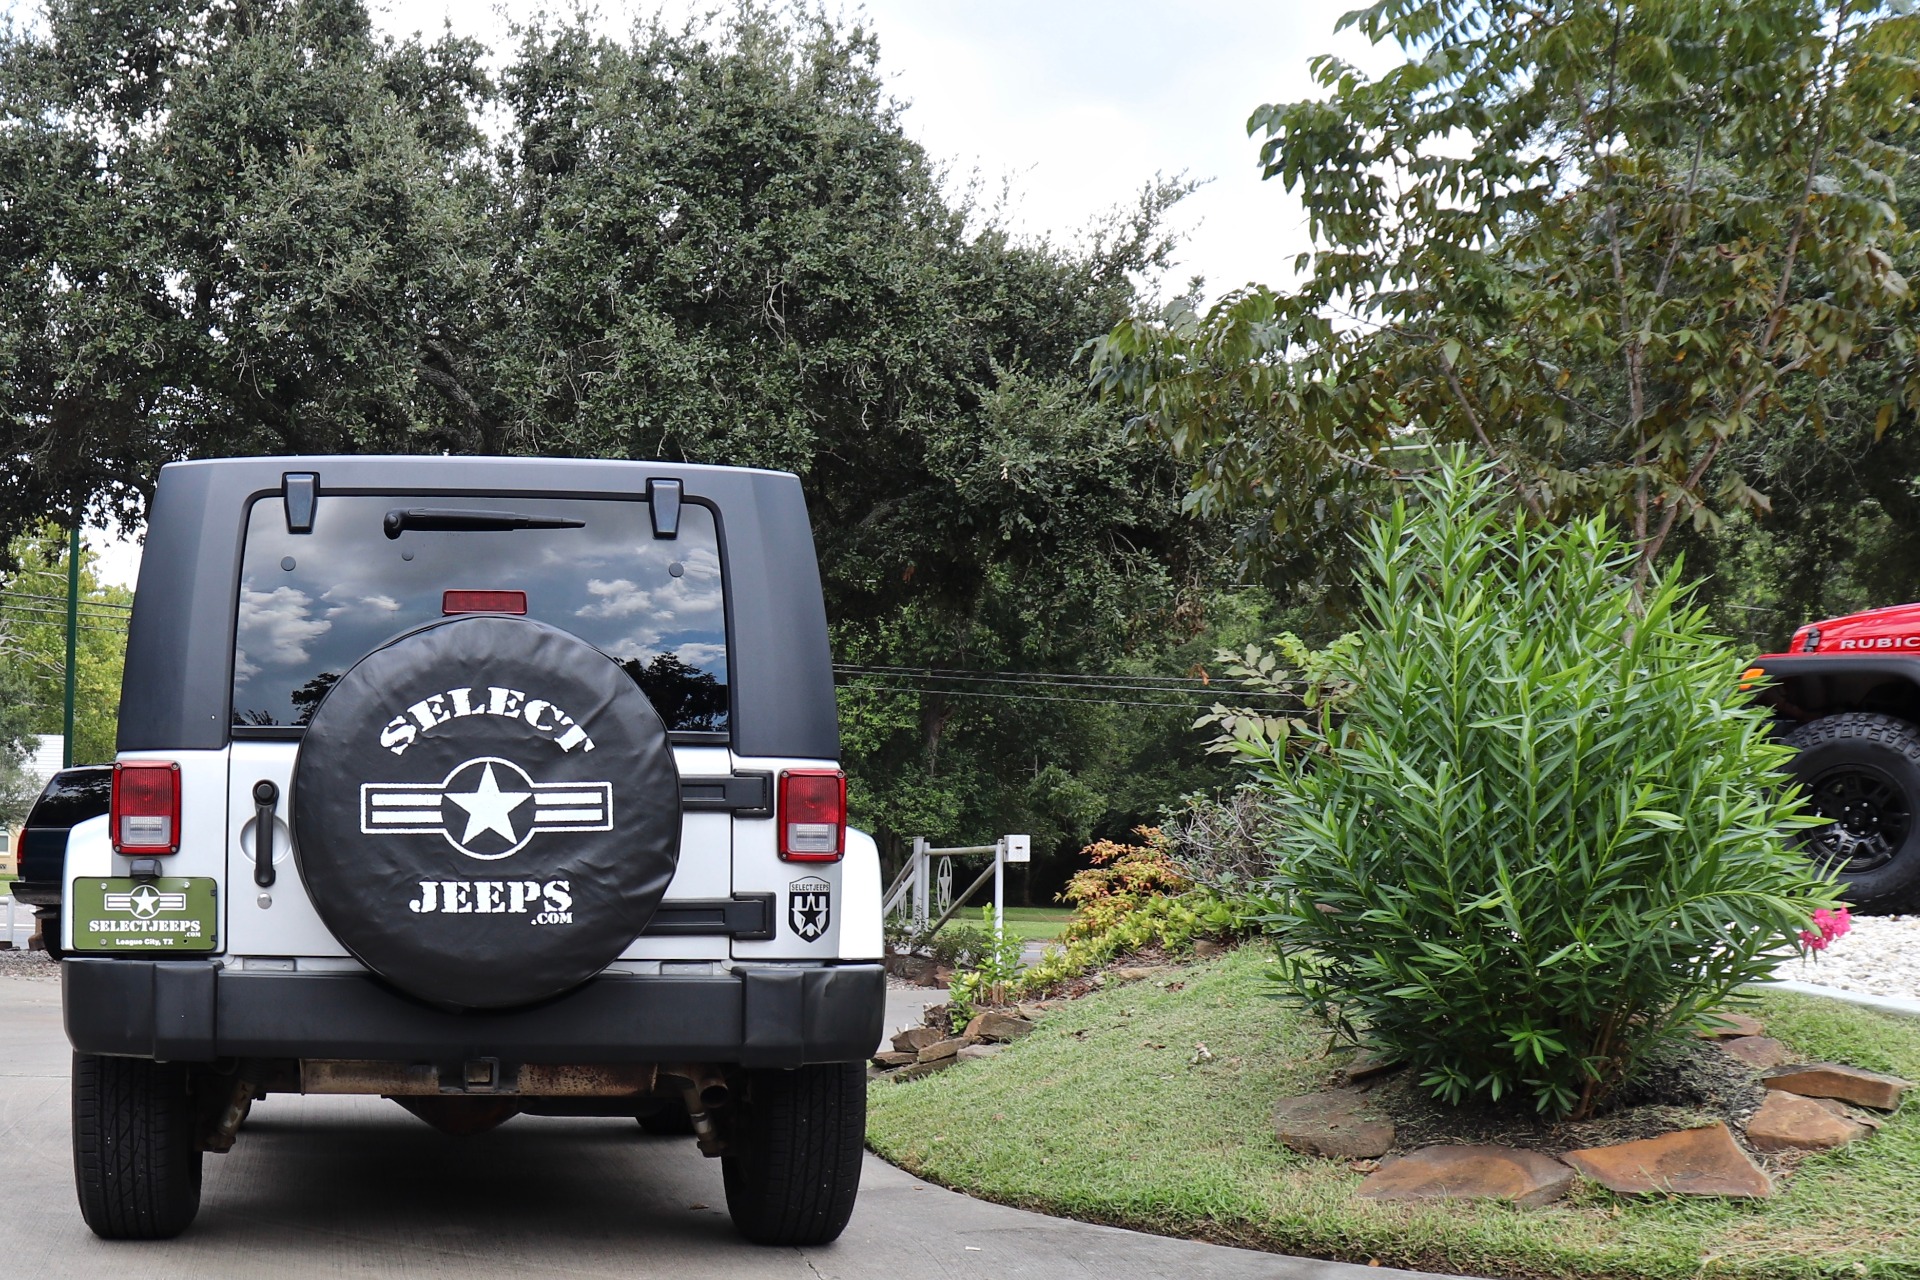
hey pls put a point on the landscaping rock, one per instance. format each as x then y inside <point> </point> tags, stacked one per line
<point>973,1052</point>
<point>898,1058</point>
<point>909,967</point>
<point>1788,1122</point>
<point>1031,1012</point>
<point>919,1069</point>
<point>1692,1162</point>
<point>1831,1080</point>
<point>1136,974</point>
<point>1207,949</point>
<point>942,1049</point>
<point>1758,1051</point>
<point>1527,1178</point>
<point>1730,1026</point>
<point>938,1015</point>
<point>1367,1064</point>
<point>997,1025</point>
<point>1337,1124</point>
<point>942,976</point>
<point>914,1039</point>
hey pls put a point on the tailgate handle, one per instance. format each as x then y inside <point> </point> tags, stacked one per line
<point>265,796</point>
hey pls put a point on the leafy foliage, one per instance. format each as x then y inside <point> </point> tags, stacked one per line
<point>1598,243</point>
<point>1550,832</point>
<point>262,228</point>
<point>33,648</point>
<point>991,976</point>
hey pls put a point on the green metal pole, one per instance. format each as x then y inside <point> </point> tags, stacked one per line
<point>73,634</point>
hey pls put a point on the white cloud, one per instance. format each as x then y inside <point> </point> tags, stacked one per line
<point>275,628</point>
<point>708,657</point>
<point>619,598</point>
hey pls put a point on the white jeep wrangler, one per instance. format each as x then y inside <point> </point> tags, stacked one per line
<point>487,785</point>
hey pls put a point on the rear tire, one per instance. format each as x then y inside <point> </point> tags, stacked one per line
<point>136,1163</point>
<point>1862,770</point>
<point>792,1167</point>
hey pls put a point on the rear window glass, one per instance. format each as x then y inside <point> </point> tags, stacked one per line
<point>312,604</point>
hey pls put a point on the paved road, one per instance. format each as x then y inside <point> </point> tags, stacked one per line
<point>331,1187</point>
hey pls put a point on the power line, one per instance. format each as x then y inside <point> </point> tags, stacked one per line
<point>109,619</point>
<point>62,600</point>
<point>1045,697</point>
<point>1118,684</point>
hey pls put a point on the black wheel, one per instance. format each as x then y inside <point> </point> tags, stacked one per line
<point>136,1164</point>
<point>670,1121</point>
<point>792,1166</point>
<point>1862,770</point>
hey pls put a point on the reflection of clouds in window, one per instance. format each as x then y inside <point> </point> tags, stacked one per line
<point>712,657</point>
<point>617,599</point>
<point>362,605</point>
<point>275,628</point>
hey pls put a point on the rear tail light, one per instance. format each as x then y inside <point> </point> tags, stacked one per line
<point>813,815</point>
<point>452,602</point>
<point>145,809</point>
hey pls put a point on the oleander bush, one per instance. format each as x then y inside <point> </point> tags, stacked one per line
<point>1547,830</point>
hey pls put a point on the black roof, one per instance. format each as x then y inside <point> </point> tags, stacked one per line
<point>178,684</point>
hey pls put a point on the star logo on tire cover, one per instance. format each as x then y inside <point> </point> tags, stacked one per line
<point>487,808</point>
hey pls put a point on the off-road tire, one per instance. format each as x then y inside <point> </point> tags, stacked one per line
<point>792,1167</point>
<point>1883,752</point>
<point>136,1163</point>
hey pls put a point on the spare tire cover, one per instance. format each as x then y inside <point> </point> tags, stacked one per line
<point>486,811</point>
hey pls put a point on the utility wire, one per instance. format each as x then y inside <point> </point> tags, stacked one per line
<point>1050,676</point>
<point>1045,697</point>
<point>110,619</point>
<point>1116,684</point>
<point>84,604</point>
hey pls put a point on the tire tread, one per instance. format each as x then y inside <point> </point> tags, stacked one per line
<point>797,1173</point>
<point>136,1164</point>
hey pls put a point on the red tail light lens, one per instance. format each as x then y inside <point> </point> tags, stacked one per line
<point>145,809</point>
<point>452,602</point>
<point>813,815</point>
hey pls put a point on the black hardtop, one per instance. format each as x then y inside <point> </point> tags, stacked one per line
<point>177,690</point>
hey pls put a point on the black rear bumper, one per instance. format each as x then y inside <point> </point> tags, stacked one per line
<point>196,1011</point>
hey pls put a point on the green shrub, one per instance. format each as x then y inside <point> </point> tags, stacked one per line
<point>991,976</point>
<point>1548,831</point>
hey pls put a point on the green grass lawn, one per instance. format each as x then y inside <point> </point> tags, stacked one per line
<point>1100,1114</point>
<point>1036,924</point>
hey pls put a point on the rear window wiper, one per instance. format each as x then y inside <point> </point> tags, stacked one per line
<point>400,519</point>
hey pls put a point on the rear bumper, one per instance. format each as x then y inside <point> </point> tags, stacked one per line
<point>196,1011</point>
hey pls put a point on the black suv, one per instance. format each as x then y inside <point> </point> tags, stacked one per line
<point>487,785</point>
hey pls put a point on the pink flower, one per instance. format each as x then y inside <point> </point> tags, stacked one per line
<point>1831,924</point>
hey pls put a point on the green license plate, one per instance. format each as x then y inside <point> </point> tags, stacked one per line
<point>172,913</point>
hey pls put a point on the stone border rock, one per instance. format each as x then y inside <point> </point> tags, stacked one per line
<point>932,1046</point>
<point>1805,1111</point>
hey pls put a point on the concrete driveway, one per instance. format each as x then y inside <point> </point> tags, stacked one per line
<point>355,1187</point>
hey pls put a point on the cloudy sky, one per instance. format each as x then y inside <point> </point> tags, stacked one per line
<point>1073,105</point>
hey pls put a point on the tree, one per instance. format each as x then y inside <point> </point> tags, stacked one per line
<point>33,657</point>
<point>1602,244</point>
<point>267,230</point>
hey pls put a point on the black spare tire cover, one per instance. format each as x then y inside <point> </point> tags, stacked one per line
<point>486,811</point>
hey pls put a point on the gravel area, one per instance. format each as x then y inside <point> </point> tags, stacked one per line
<point>32,965</point>
<point>1879,956</point>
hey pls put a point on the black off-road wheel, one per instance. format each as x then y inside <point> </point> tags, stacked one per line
<point>792,1167</point>
<point>136,1163</point>
<point>1862,770</point>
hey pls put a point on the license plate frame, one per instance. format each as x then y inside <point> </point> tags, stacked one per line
<point>154,915</point>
